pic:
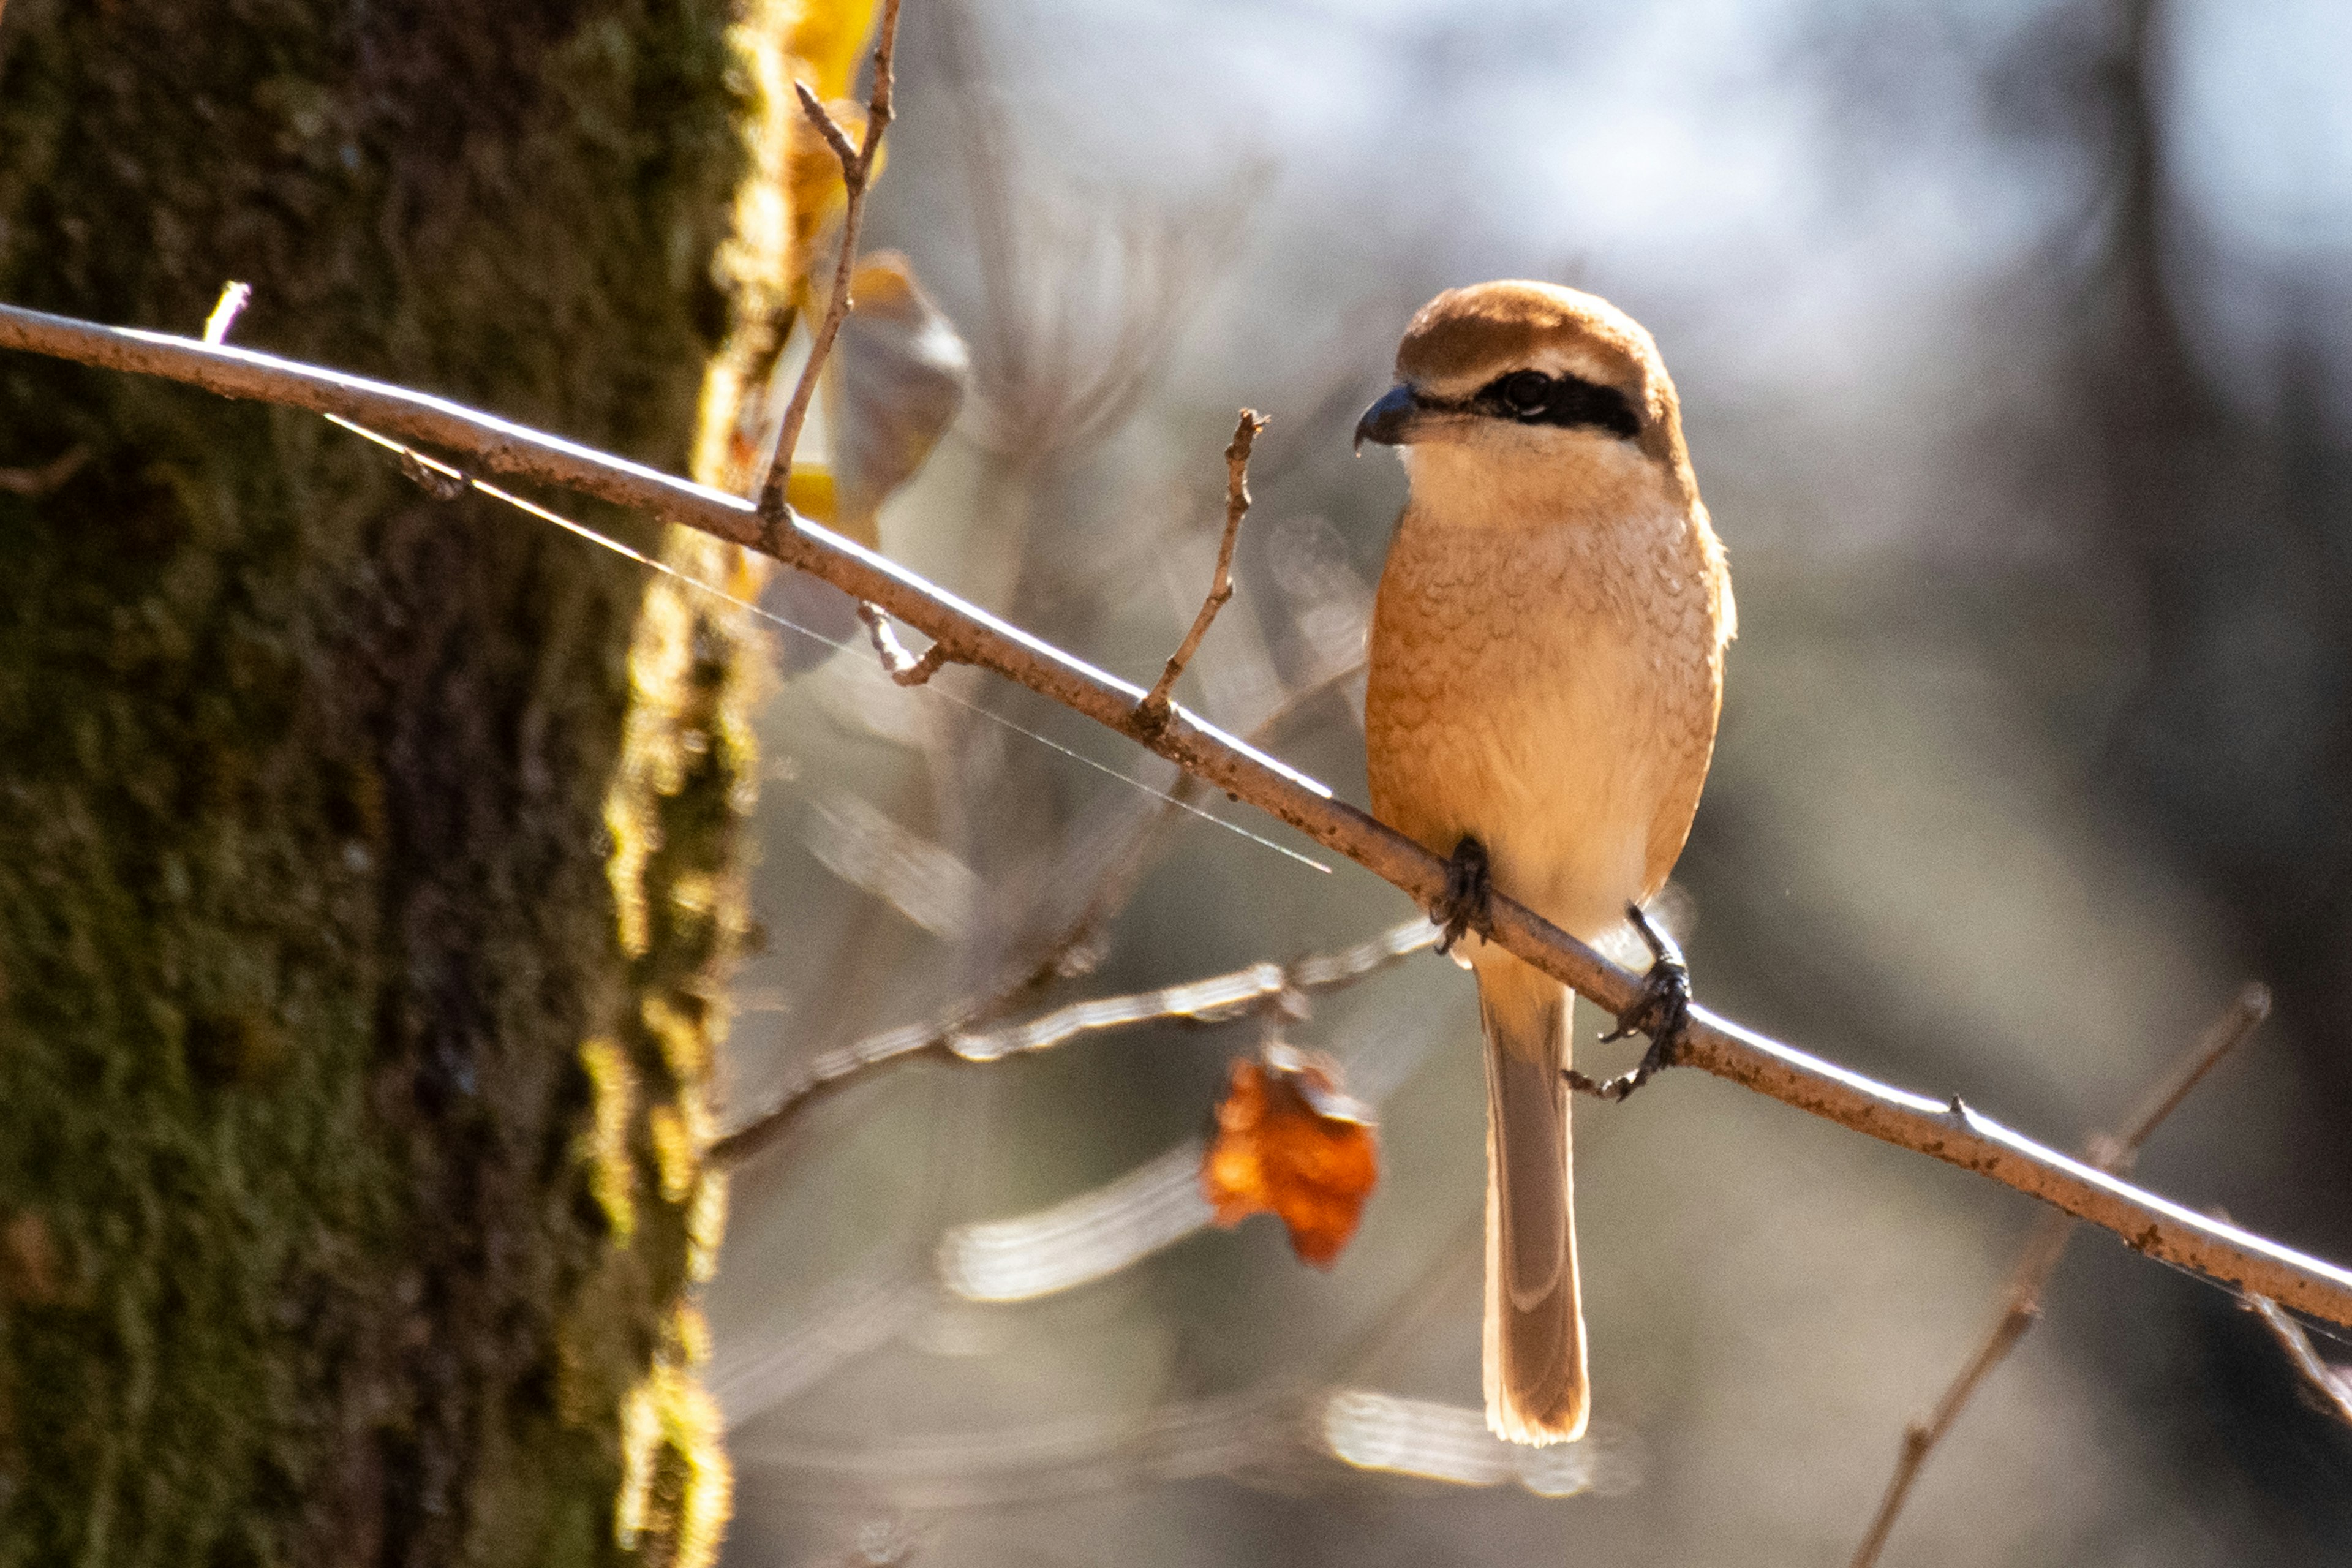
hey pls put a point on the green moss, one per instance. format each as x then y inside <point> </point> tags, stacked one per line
<point>675,814</point>
<point>604,1142</point>
<point>676,1485</point>
<point>310,1180</point>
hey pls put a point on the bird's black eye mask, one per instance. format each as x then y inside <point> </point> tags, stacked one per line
<point>1531,397</point>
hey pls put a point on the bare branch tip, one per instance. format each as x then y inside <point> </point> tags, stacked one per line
<point>835,137</point>
<point>1152,712</point>
<point>1245,434</point>
<point>885,49</point>
<point>233,298</point>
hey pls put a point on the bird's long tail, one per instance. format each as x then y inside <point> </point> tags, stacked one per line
<point>1537,1390</point>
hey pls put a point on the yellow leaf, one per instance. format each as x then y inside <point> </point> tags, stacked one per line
<point>826,38</point>
<point>809,490</point>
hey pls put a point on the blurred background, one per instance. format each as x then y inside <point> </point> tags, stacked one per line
<point>2014,348</point>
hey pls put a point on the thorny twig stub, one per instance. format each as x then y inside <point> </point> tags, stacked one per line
<point>857,173</point>
<point>1153,709</point>
<point>234,297</point>
<point>2022,1295</point>
<point>901,665</point>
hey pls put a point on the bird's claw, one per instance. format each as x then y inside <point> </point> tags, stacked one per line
<point>1661,1010</point>
<point>1466,905</point>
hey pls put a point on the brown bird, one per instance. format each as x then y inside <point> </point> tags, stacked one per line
<point>1547,665</point>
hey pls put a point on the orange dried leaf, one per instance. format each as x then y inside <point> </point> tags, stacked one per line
<point>1290,1144</point>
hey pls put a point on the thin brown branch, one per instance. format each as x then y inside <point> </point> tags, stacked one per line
<point>2021,1296</point>
<point>1218,999</point>
<point>2237,1023</point>
<point>844,150</point>
<point>856,174</point>
<point>1945,1130</point>
<point>2329,1387</point>
<point>1153,709</point>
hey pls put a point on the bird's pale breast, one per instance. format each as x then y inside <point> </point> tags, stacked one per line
<point>1551,689</point>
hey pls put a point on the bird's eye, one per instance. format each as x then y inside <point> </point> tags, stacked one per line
<point>1526,391</point>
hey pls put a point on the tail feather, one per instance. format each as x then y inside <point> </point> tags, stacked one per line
<point>1535,1386</point>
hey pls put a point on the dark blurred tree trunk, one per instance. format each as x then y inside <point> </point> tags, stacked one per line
<point>361,889</point>
<point>2231,541</point>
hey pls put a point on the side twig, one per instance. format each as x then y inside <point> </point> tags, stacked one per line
<point>2022,1296</point>
<point>897,662</point>
<point>1153,709</point>
<point>1943,1128</point>
<point>856,174</point>
<point>233,298</point>
<point>2329,1387</point>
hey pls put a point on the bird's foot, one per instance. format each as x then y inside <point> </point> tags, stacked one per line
<point>1661,1009</point>
<point>1466,905</point>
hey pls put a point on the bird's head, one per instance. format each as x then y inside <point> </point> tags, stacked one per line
<point>1517,389</point>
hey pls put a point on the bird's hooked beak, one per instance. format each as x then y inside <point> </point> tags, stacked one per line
<point>1390,421</point>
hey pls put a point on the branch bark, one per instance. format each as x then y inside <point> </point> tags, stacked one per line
<point>1948,1131</point>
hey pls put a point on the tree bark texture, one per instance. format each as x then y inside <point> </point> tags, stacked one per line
<point>365,858</point>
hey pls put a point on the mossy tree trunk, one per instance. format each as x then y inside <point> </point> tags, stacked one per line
<point>363,858</point>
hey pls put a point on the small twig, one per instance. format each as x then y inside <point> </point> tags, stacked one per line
<point>1218,999</point>
<point>856,173</point>
<point>35,483</point>
<point>2167,1231</point>
<point>1154,709</point>
<point>233,298</point>
<point>2333,1391</point>
<point>897,662</point>
<point>2022,1296</point>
